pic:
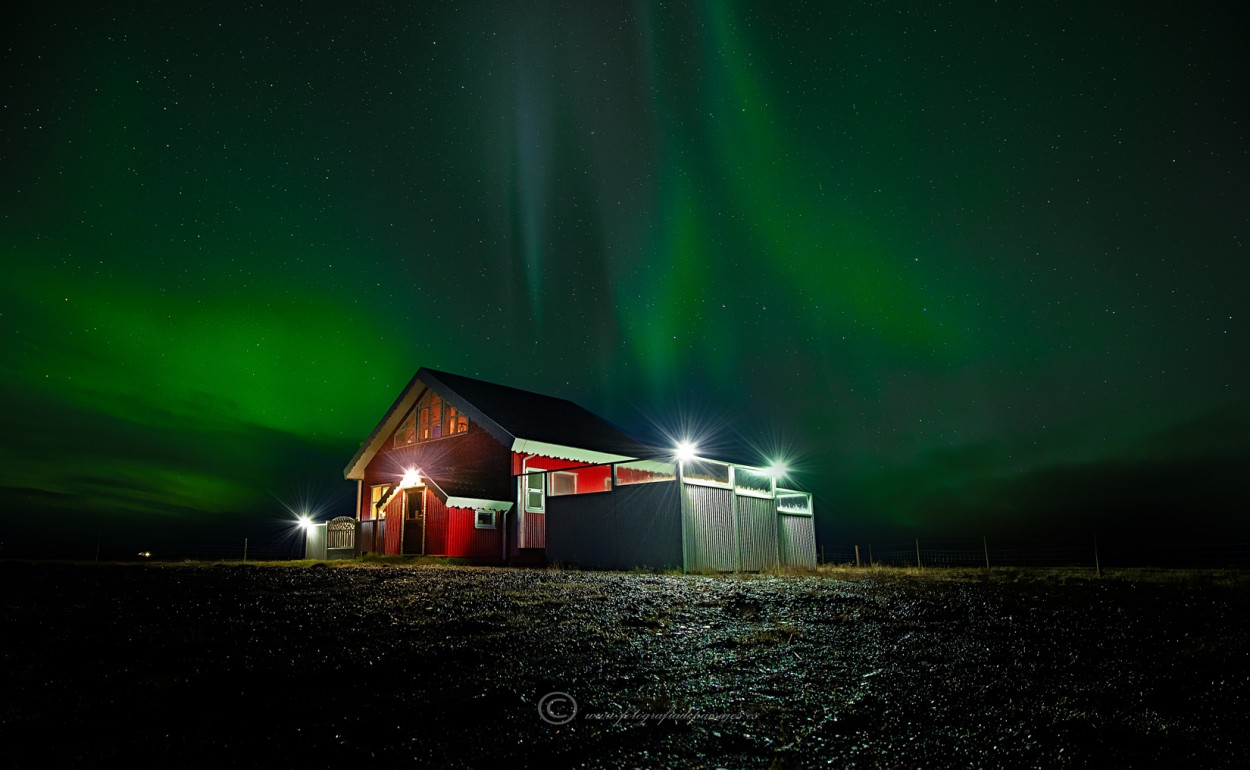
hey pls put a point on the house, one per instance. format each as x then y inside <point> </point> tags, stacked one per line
<point>462,467</point>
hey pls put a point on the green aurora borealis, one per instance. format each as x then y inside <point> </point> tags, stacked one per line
<point>974,268</point>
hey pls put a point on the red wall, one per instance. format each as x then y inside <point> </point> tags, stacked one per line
<point>464,539</point>
<point>588,479</point>
<point>435,526</point>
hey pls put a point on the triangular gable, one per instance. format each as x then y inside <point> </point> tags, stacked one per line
<point>526,422</point>
<point>399,411</point>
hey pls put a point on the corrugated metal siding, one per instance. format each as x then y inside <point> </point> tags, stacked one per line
<point>757,532</point>
<point>709,516</point>
<point>478,543</point>
<point>796,536</point>
<point>635,526</point>
<point>534,529</point>
<point>465,539</point>
<point>393,525</point>
<point>435,526</point>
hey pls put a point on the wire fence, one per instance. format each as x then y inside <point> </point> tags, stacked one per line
<point>200,549</point>
<point>1076,552</point>
<point>1082,552</point>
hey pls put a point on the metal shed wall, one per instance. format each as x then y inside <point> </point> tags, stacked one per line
<point>632,526</point>
<point>711,534</point>
<point>796,536</point>
<point>757,532</point>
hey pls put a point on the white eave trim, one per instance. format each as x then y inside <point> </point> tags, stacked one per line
<point>478,504</point>
<point>589,456</point>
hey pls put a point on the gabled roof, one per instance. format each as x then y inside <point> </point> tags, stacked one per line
<point>526,422</point>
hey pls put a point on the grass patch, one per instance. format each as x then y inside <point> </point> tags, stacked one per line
<point>779,633</point>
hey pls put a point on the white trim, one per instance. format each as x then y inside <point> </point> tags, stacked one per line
<point>589,456</point>
<point>477,502</point>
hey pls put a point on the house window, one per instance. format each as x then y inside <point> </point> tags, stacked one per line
<point>534,492</point>
<point>436,419</point>
<point>436,416</point>
<point>484,519</point>
<point>407,433</point>
<point>376,495</point>
<point>456,421</point>
<point>563,483</point>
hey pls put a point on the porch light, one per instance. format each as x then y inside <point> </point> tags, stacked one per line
<point>778,469</point>
<point>684,451</point>
<point>412,478</point>
<point>304,521</point>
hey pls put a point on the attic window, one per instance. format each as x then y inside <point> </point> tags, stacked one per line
<point>431,417</point>
<point>407,433</point>
<point>456,421</point>
<point>436,419</point>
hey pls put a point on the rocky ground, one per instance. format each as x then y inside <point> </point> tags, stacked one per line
<point>413,666</point>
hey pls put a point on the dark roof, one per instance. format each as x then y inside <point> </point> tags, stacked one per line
<point>536,417</point>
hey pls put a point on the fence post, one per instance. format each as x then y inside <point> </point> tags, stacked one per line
<point>856,555</point>
<point>918,564</point>
<point>1097,563</point>
<point>870,554</point>
<point>986,546</point>
<point>245,549</point>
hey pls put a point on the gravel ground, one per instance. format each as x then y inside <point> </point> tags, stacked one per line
<point>415,666</point>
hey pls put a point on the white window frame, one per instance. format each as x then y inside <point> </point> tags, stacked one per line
<point>477,518</point>
<point>751,491</point>
<point>551,481</point>
<point>728,484</point>
<point>785,493</point>
<point>541,489</point>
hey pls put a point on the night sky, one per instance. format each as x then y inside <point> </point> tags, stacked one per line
<point>972,268</point>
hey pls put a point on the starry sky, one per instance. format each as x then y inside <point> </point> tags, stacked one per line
<point>972,267</point>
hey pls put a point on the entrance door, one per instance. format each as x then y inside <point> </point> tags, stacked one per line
<point>414,521</point>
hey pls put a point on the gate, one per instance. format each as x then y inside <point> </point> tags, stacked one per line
<point>341,538</point>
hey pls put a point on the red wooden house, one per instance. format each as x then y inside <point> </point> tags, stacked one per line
<point>462,467</point>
